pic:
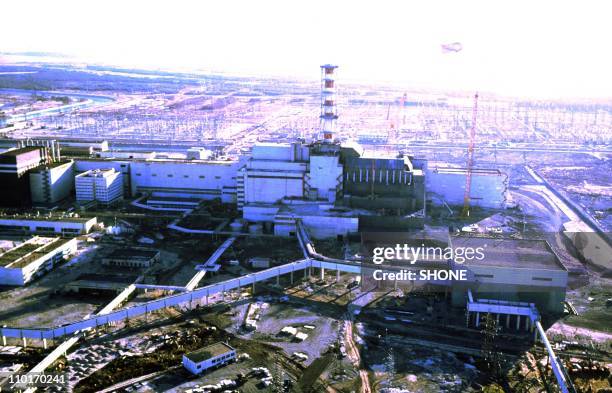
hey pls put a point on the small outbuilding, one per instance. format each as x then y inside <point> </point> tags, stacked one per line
<point>211,356</point>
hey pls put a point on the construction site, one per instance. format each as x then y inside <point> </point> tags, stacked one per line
<point>174,232</point>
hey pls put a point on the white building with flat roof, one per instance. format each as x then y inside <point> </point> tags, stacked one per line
<point>102,185</point>
<point>33,258</point>
<point>52,182</point>
<point>64,226</point>
<point>212,356</point>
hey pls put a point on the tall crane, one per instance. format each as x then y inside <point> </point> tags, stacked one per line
<point>470,161</point>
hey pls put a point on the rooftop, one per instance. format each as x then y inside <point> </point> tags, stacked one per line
<point>514,253</point>
<point>51,165</point>
<point>376,163</point>
<point>16,152</point>
<point>97,173</point>
<point>30,251</point>
<point>210,351</point>
<point>46,218</point>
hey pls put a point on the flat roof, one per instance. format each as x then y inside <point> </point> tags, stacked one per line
<point>514,253</point>
<point>98,172</point>
<point>51,165</point>
<point>209,351</point>
<point>16,152</point>
<point>30,251</point>
<point>376,163</point>
<point>48,219</point>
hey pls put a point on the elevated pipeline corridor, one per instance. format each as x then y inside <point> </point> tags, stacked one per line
<point>190,294</point>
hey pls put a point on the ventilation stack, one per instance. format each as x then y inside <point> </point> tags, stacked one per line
<point>329,113</point>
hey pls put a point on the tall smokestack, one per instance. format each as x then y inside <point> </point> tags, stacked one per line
<point>329,112</point>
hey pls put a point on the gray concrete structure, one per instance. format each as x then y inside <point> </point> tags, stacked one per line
<point>51,183</point>
<point>513,270</point>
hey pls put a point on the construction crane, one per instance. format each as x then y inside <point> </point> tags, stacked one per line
<point>470,161</point>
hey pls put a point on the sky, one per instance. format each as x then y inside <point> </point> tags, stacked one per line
<point>534,48</point>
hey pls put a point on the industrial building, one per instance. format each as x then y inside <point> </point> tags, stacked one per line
<point>211,356</point>
<point>333,189</point>
<point>99,145</point>
<point>199,153</point>
<point>512,270</point>
<point>14,174</point>
<point>33,258</point>
<point>132,257</point>
<point>64,226</point>
<point>119,165</point>
<point>330,187</point>
<point>104,186</point>
<point>185,178</point>
<point>52,182</point>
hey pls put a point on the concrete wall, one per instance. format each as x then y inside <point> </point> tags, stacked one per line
<point>200,179</point>
<point>488,189</point>
<point>50,185</point>
<point>271,187</point>
<point>592,247</point>
<point>280,152</point>
<point>273,151</point>
<point>325,176</point>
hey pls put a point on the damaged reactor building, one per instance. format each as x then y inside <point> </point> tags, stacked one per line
<point>332,187</point>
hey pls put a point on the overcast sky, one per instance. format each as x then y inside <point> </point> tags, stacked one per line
<point>527,48</point>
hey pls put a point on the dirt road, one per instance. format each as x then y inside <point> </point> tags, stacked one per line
<point>353,355</point>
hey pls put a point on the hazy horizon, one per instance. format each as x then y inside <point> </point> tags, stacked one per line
<point>540,50</point>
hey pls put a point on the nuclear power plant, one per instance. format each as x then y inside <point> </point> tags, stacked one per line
<point>262,234</point>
